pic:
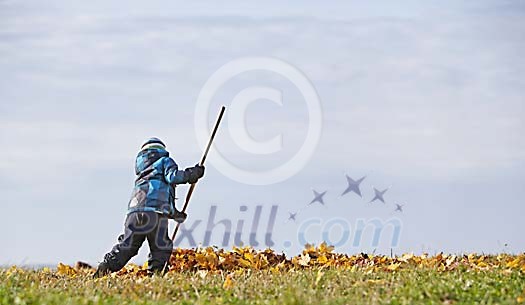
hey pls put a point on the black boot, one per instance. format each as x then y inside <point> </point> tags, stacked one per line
<point>102,270</point>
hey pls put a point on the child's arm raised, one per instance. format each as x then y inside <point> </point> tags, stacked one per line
<point>173,175</point>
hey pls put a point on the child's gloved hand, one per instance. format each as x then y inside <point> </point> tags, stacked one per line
<point>178,216</point>
<point>195,173</point>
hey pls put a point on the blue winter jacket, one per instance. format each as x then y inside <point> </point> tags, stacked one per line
<point>157,175</point>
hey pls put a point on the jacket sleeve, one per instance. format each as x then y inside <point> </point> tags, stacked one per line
<point>172,174</point>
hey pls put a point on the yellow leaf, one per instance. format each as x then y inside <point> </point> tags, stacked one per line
<point>393,267</point>
<point>13,270</point>
<point>228,282</point>
<point>309,247</point>
<point>482,264</point>
<point>324,248</point>
<point>322,259</point>
<point>249,256</point>
<point>244,263</point>
<point>513,264</point>
<point>65,270</point>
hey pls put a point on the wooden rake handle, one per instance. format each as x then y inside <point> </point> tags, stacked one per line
<point>192,187</point>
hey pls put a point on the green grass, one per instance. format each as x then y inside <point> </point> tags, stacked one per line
<point>311,286</point>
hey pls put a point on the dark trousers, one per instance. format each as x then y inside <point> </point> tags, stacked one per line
<point>138,227</point>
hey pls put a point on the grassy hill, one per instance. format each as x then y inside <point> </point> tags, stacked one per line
<point>246,276</point>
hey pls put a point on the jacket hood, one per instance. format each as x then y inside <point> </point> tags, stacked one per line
<point>147,157</point>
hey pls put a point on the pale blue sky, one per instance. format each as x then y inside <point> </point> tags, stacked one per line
<point>425,97</point>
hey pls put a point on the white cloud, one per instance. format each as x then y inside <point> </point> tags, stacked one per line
<point>400,87</point>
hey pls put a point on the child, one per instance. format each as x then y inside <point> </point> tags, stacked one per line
<point>152,204</point>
